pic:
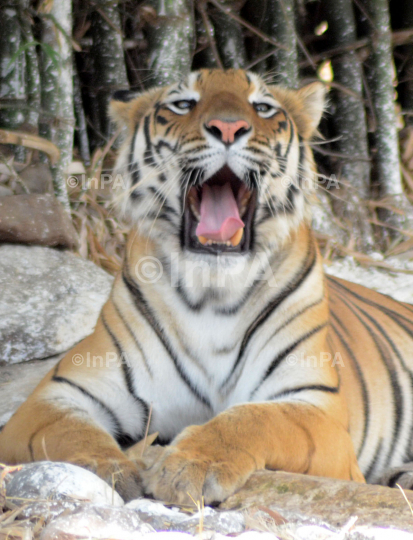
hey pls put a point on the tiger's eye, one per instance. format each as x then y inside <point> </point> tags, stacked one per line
<point>262,107</point>
<point>184,104</point>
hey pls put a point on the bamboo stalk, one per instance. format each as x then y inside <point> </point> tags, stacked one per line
<point>171,38</point>
<point>229,37</point>
<point>57,121</point>
<point>12,73</point>
<point>108,59</point>
<point>282,27</point>
<point>349,121</point>
<point>32,69</point>
<point>386,170</point>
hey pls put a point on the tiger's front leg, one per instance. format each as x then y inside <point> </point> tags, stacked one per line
<point>74,416</point>
<point>217,458</point>
<point>39,431</point>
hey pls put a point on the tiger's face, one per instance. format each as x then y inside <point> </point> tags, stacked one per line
<point>218,164</point>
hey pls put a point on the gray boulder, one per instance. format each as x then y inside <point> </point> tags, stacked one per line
<point>49,301</point>
<point>17,382</point>
<point>49,481</point>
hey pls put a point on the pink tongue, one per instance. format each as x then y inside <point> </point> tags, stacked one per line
<point>219,213</point>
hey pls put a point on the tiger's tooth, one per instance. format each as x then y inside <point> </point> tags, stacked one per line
<point>236,239</point>
<point>202,240</point>
<point>195,211</point>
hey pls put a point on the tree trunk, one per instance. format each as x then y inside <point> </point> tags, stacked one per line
<point>12,74</point>
<point>57,123</point>
<point>108,58</point>
<point>386,171</point>
<point>32,71</point>
<point>229,37</point>
<point>171,38</point>
<point>283,63</point>
<point>349,123</point>
<point>82,135</point>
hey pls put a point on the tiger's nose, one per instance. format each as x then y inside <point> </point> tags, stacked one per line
<point>227,132</point>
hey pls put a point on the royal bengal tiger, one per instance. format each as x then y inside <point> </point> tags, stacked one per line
<point>222,322</point>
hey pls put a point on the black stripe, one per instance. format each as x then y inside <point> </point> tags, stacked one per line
<point>289,206</point>
<point>390,367</point>
<point>148,314</point>
<point>127,373</point>
<point>283,164</point>
<point>339,323</point>
<point>394,315</point>
<point>292,319</point>
<point>161,120</point>
<point>301,160</point>
<point>282,126</point>
<point>148,155</point>
<point>363,385</point>
<point>291,287</point>
<point>132,334</point>
<point>197,306</point>
<point>133,165</point>
<point>374,460</point>
<point>395,477</point>
<point>234,309</point>
<point>105,408</point>
<point>283,354</point>
<point>316,387</point>
<point>164,144</point>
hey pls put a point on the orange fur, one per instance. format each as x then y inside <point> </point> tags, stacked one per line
<point>319,436</point>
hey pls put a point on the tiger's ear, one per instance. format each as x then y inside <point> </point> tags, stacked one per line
<point>128,107</point>
<point>313,99</point>
<point>306,106</point>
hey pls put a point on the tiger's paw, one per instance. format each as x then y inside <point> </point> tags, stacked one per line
<point>197,466</point>
<point>121,474</point>
<point>403,476</point>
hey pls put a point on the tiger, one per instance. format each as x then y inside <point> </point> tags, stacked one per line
<point>222,333</point>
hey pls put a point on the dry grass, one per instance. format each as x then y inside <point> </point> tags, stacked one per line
<point>102,234</point>
<point>12,527</point>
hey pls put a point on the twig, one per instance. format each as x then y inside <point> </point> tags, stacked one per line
<point>243,22</point>
<point>210,33</point>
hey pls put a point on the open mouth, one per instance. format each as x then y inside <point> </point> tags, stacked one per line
<point>219,214</point>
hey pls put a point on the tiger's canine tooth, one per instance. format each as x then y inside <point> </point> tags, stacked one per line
<point>203,240</point>
<point>236,239</point>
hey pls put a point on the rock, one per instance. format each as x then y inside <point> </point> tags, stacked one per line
<point>5,192</point>
<point>36,219</point>
<point>327,502</point>
<point>52,481</point>
<point>97,522</point>
<point>36,178</point>
<point>398,285</point>
<point>163,518</point>
<point>18,381</point>
<point>49,301</point>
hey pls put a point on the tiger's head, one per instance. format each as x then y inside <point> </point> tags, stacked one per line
<point>218,163</point>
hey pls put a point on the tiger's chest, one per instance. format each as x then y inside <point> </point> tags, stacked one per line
<point>200,367</point>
